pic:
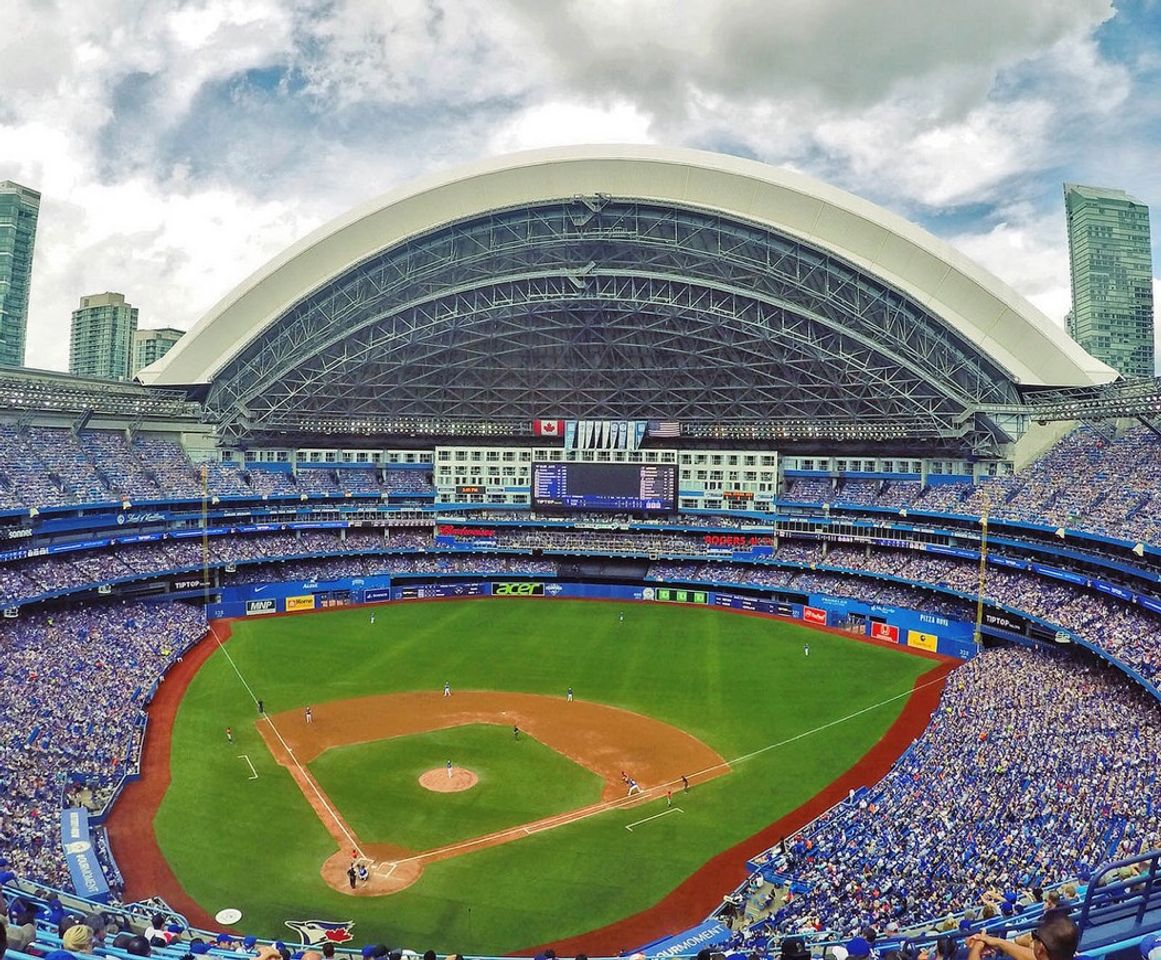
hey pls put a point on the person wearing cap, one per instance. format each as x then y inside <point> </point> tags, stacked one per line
<point>248,943</point>
<point>858,948</point>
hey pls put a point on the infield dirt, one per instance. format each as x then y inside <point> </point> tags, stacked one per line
<point>614,744</point>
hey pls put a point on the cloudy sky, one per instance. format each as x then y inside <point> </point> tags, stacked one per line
<point>179,145</point>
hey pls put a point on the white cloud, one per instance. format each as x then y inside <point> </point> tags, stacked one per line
<point>180,143</point>
<point>1030,253</point>
<point>560,123</point>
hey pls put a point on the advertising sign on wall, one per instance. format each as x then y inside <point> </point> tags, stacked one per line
<point>922,641</point>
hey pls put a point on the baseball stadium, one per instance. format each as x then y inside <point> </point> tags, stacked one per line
<point>591,551</point>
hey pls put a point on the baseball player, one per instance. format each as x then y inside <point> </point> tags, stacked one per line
<point>568,697</point>
<point>633,787</point>
<point>449,769</point>
<point>447,688</point>
<point>515,732</point>
<point>229,735</point>
<point>806,649</point>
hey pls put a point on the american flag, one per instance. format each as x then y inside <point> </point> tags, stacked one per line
<point>664,428</point>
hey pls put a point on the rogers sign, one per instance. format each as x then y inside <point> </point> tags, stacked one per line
<point>736,540</point>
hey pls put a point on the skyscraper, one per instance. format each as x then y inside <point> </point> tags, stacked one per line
<point>1112,277</point>
<point>102,337</point>
<point>19,209</point>
<point>150,345</point>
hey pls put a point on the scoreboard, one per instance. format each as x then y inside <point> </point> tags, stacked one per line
<point>635,487</point>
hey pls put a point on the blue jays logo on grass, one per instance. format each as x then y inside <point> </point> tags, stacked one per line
<point>316,932</point>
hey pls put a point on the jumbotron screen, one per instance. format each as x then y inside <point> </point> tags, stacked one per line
<point>635,487</point>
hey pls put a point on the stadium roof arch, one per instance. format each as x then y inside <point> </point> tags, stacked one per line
<point>620,282</point>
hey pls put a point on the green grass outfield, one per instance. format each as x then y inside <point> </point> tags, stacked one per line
<point>375,785</point>
<point>739,683</point>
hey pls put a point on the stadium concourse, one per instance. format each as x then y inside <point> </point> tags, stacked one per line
<point>660,370</point>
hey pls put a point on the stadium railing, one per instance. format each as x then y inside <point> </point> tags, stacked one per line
<point>1122,903</point>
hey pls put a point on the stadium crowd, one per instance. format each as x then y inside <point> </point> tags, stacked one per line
<point>52,466</point>
<point>74,685</point>
<point>1129,632</point>
<point>1087,481</point>
<point>1035,769</point>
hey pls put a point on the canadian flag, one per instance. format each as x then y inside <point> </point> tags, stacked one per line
<point>548,428</point>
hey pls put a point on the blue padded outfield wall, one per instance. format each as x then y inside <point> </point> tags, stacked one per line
<point>913,628</point>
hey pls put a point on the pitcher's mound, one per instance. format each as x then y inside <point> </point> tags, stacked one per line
<point>439,781</point>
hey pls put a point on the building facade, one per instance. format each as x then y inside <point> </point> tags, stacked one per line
<point>1112,277</point>
<point>150,345</point>
<point>19,211</point>
<point>102,337</point>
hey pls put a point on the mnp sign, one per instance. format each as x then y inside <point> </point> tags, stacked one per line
<point>517,589</point>
<point>258,607</point>
<point>77,844</point>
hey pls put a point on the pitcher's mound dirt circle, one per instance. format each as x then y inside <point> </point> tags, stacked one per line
<point>437,780</point>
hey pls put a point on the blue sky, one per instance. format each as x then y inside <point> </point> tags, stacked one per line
<point>179,145</point>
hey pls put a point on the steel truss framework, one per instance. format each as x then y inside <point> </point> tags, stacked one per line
<point>608,309</point>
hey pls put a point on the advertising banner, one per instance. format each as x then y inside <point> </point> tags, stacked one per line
<point>1003,620</point>
<point>189,581</point>
<point>77,843</point>
<point>517,589</point>
<point>688,942</point>
<point>451,535</point>
<point>813,615</point>
<point>884,631</point>
<point>305,602</point>
<point>259,607</point>
<point>922,641</point>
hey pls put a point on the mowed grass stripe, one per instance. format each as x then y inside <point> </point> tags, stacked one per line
<point>738,683</point>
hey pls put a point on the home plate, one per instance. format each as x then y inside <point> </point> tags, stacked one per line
<point>228,916</point>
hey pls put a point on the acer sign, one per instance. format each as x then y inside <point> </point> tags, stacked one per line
<point>517,589</point>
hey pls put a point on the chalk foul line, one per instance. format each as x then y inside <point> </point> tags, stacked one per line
<point>637,823</point>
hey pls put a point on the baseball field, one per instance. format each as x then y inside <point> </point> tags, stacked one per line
<point>536,838</point>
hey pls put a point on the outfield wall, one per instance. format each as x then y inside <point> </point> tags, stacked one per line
<point>931,633</point>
